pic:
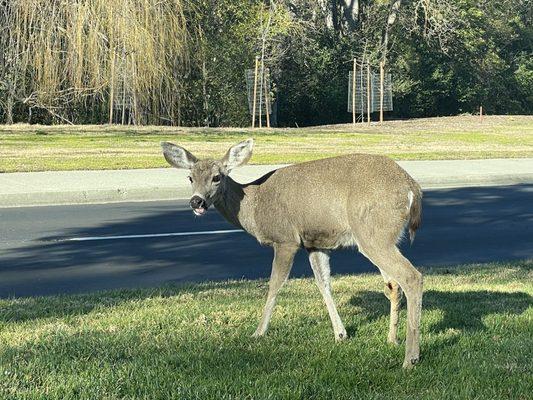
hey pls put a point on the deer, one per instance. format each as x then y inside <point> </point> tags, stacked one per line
<point>358,201</point>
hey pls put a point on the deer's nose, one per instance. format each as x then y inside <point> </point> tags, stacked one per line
<point>197,202</point>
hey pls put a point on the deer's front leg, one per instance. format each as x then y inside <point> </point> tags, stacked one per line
<point>281,267</point>
<point>319,261</point>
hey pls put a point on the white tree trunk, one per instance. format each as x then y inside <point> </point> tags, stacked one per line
<point>391,19</point>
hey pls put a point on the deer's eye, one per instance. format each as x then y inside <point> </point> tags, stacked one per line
<point>190,179</point>
<point>216,178</point>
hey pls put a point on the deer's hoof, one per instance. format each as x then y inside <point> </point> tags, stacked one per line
<point>410,362</point>
<point>339,337</point>
<point>393,341</point>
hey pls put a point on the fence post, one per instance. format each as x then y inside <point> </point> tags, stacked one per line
<point>381,85</point>
<point>266,100</point>
<point>123,119</point>
<point>255,91</point>
<point>262,73</point>
<point>354,86</point>
<point>112,89</point>
<point>362,74</point>
<point>368,92</point>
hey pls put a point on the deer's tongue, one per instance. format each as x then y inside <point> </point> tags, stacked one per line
<point>199,211</point>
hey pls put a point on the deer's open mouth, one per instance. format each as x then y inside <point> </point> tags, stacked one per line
<point>199,211</point>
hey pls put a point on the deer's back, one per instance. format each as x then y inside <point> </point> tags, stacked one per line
<point>321,203</point>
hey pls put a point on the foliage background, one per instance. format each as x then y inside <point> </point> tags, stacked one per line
<point>183,61</point>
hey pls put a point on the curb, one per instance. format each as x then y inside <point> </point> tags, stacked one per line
<point>87,187</point>
<point>93,196</point>
<point>476,181</point>
<point>96,196</point>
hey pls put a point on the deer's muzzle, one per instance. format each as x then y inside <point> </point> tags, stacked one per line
<point>198,205</point>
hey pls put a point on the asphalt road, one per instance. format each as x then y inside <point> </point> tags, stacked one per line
<point>37,256</point>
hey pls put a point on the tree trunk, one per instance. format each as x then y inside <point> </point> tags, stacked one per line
<point>335,15</point>
<point>351,13</point>
<point>204,93</point>
<point>9,108</point>
<point>178,107</point>
<point>391,19</point>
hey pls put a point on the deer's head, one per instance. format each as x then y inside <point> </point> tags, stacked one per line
<point>207,177</point>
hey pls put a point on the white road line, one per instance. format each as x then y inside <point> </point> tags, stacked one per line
<point>151,235</point>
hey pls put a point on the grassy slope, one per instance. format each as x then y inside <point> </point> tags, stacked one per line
<point>194,342</point>
<point>38,148</point>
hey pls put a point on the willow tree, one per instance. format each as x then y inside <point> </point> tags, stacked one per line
<point>58,54</point>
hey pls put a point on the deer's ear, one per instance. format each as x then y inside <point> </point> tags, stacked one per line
<point>177,156</point>
<point>238,155</point>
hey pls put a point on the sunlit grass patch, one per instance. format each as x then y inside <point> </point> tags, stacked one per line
<point>39,148</point>
<point>193,341</point>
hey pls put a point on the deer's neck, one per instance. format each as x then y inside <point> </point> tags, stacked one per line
<point>235,204</point>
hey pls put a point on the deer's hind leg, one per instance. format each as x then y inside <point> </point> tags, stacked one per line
<point>394,293</point>
<point>389,260</point>
<point>281,267</point>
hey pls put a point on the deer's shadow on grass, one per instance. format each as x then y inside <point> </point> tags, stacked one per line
<point>464,311</point>
<point>34,308</point>
<point>214,356</point>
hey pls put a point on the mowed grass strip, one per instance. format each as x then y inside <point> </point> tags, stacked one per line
<point>193,342</point>
<point>42,148</point>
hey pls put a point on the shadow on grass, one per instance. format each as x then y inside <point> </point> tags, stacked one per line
<point>33,308</point>
<point>152,361</point>
<point>159,358</point>
<point>461,310</point>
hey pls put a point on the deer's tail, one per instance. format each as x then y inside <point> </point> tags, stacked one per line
<point>415,211</point>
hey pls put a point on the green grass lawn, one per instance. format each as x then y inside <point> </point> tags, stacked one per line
<point>41,148</point>
<point>193,342</point>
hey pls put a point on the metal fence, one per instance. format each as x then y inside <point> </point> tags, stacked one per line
<point>361,92</point>
<point>262,92</point>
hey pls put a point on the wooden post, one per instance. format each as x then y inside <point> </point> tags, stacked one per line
<point>112,88</point>
<point>368,93</point>
<point>123,100</point>
<point>480,113</point>
<point>112,78</point>
<point>136,117</point>
<point>123,119</point>
<point>260,113</point>
<point>381,95</point>
<point>354,72</point>
<point>266,101</point>
<point>255,91</point>
<point>362,74</point>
